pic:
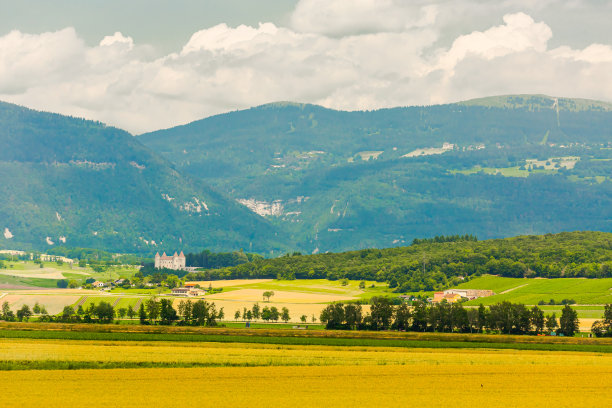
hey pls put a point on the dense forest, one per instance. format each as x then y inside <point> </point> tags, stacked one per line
<point>74,182</point>
<point>434,266</point>
<point>214,260</point>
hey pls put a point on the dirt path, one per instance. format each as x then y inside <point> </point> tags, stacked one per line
<point>511,289</point>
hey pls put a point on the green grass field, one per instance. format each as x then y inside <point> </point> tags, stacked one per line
<point>52,269</point>
<point>119,302</point>
<point>35,282</point>
<point>532,291</point>
<point>300,337</point>
<point>504,171</point>
<point>321,286</point>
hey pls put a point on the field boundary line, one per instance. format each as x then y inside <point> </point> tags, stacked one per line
<point>511,289</point>
<point>81,301</point>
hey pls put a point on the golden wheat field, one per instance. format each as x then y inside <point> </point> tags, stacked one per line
<point>288,376</point>
<point>457,385</point>
<point>272,354</point>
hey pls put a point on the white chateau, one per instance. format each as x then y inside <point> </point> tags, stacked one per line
<point>171,262</point>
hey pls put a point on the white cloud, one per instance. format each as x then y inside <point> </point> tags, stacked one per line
<point>342,18</point>
<point>518,33</point>
<point>348,55</point>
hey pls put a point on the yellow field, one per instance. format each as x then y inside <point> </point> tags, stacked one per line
<point>559,385</point>
<point>228,282</point>
<point>264,354</point>
<point>256,295</point>
<point>288,376</point>
<point>53,303</point>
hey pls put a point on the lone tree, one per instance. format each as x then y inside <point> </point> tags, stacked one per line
<point>268,294</point>
<point>285,315</point>
<point>569,321</point>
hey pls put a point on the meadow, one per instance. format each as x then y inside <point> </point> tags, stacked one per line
<point>531,291</point>
<point>46,274</point>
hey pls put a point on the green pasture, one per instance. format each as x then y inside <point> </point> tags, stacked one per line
<point>504,171</point>
<point>584,312</point>
<point>35,282</point>
<point>532,291</point>
<point>121,301</point>
<point>320,286</point>
<point>256,325</point>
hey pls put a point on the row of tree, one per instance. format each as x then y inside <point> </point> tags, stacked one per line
<point>151,311</point>
<point>266,314</point>
<point>504,317</point>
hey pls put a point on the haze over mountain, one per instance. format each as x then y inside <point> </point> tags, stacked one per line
<point>68,181</point>
<point>338,180</point>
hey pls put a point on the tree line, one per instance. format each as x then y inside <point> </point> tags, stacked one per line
<point>213,260</point>
<point>444,238</point>
<point>150,311</point>
<point>504,317</point>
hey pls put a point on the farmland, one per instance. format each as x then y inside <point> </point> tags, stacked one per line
<point>342,386</point>
<point>531,291</point>
<point>237,372</point>
<point>301,297</point>
<point>46,274</point>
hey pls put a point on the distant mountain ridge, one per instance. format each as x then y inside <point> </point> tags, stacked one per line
<point>73,182</point>
<point>288,176</point>
<point>539,102</point>
<point>338,180</point>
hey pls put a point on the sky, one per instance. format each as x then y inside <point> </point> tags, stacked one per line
<point>144,65</point>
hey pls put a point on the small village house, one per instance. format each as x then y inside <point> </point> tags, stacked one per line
<point>188,291</point>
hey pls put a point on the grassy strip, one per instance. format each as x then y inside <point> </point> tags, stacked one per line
<point>324,341</point>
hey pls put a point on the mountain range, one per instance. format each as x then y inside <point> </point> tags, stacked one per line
<point>78,183</point>
<point>287,176</point>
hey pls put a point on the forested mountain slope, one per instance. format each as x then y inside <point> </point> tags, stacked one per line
<point>72,182</point>
<point>494,167</point>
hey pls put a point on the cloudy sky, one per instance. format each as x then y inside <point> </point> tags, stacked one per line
<point>149,64</point>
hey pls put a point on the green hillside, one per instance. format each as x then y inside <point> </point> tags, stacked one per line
<point>433,266</point>
<point>532,291</point>
<point>339,180</point>
<point>73,182</point>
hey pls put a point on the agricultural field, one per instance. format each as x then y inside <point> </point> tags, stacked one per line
<point>531,291</point>
<point>20,274</point>
<point>300,296</point>
<point>264,371</point>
